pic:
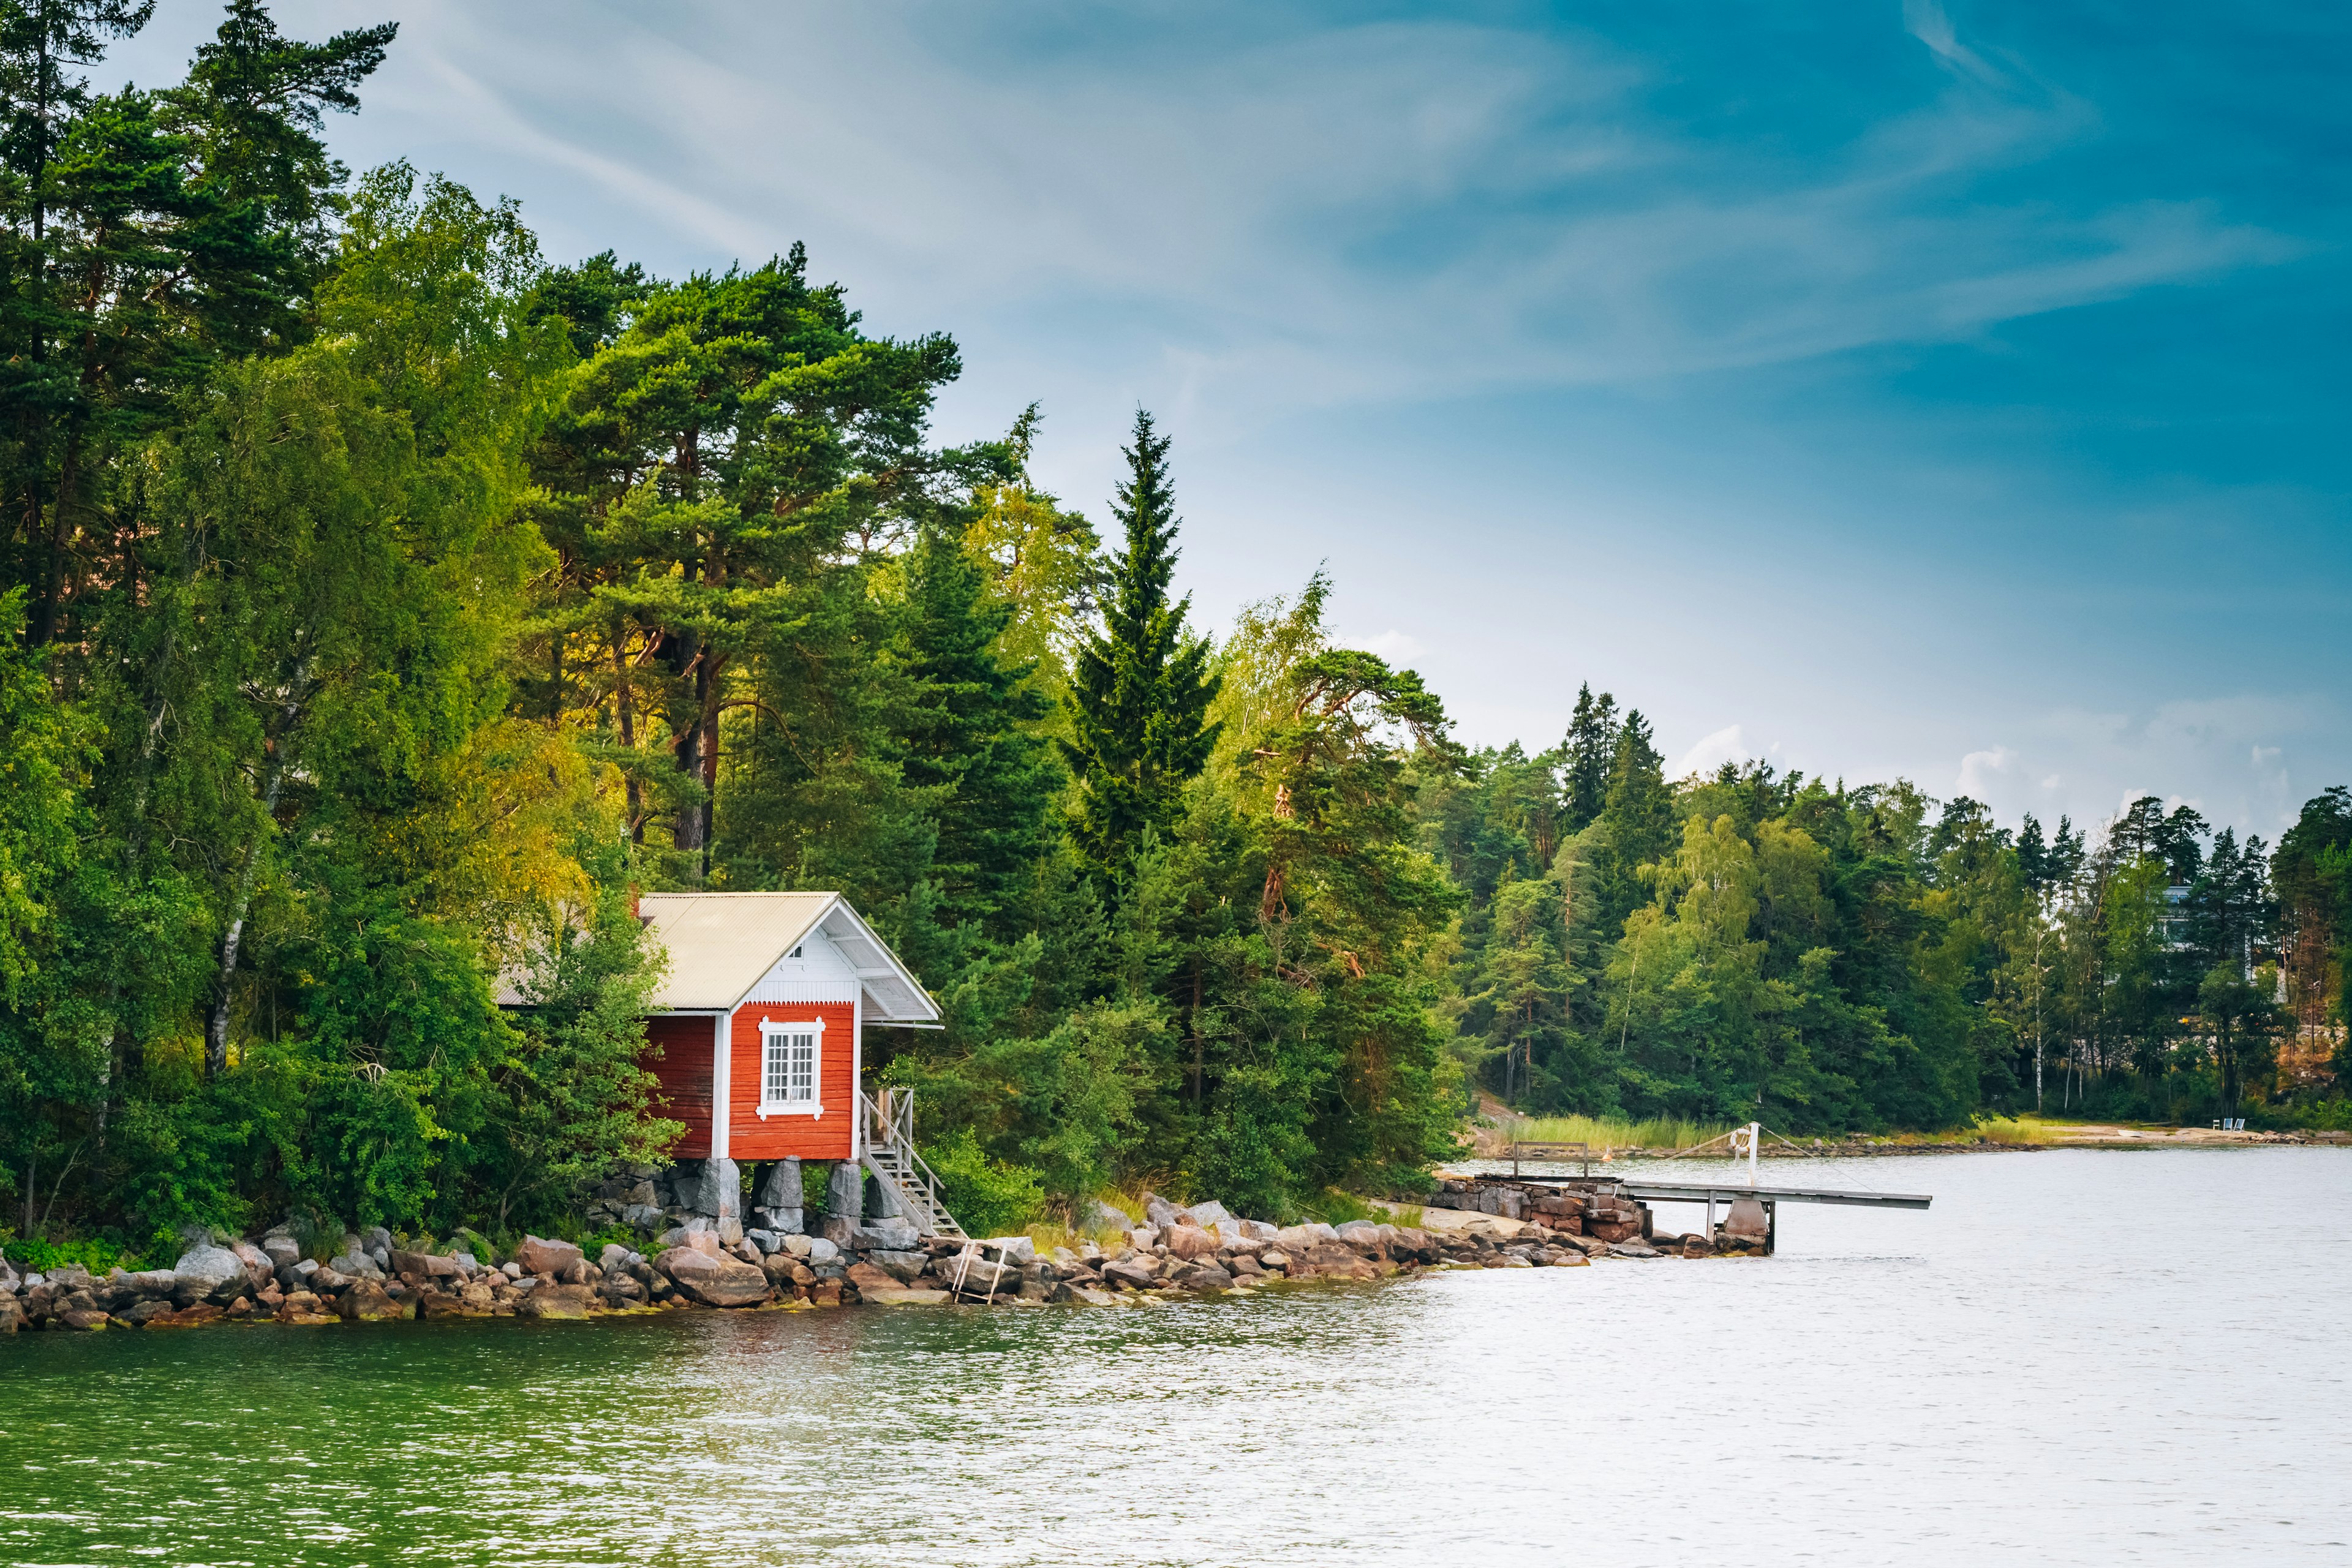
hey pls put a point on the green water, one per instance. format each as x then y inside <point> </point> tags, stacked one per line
<point>2075,1357</point>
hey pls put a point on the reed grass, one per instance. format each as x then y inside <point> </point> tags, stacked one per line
<point>2018,1130</point>
<point>1603,1133</point>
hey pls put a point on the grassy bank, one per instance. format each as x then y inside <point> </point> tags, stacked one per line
<point>1662,1132</point>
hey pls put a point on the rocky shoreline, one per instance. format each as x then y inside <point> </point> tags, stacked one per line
<point>706,1264</point>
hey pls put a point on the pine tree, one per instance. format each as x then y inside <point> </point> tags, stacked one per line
<point>1592,752</point>
<point>997,781</point>
<point>1139,694</point>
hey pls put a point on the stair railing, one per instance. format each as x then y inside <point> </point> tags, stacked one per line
<point>890,1139</point>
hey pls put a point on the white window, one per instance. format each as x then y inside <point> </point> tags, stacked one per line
<point>791,1069</point>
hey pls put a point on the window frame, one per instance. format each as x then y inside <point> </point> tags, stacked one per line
<point>776,1036</point>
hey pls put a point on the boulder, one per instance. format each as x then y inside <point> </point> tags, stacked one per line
<point>207,1269</point>
<point>356,1266</point>
<point>557,1301</point>
<point>1331,1260</point>
<point>1086,1294</point>
<point>1258,1230</point>
<point>1633,1249</point>
<point>1363,1237</point>
<point>780,1185</point>
<point>367,1302</point>
<point>1100,1216</point>
<point>425,1265</point>
<point>281,1249</point>
<point>1143,1238</point>
<point>642,1217</point>
<point>760,1241</point>
<point>84,1319</point>
<point>714,1280</point>
<point>1158,1212</point>
<point>820,1250</point>
<point>867,1276</point>
<point>1273,1257</point>
<point>1190,1242</point>
<point>845,1191</point>
<point>1747,1220</point>
<point>1017,1250</point>
<point>1298,1239</point>
<point>12,1314</point>
<point>1134,1273</point>
<point>615,1256</point>
<point>194,1317</point>
<point>1207,1216</point>
<point>1204,1277</point>
<point>539,1255</point>
<point>259,1267</point>
<point>621,1289</point>
<point>825,1293</point>
<point>895,1236</point>
<point>978,1275</point>
<point>152,1283</point>
<point>145,1312</point>
<point>904,1266</point>
<point>435,1302</point>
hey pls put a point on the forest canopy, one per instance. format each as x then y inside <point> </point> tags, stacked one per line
<point>385,603</point>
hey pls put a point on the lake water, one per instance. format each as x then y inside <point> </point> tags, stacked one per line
<point>2074,1357</point>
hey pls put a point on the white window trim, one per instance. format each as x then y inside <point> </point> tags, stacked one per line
<point>772,1032</point>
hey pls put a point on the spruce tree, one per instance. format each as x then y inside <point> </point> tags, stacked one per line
<point>1592,749</point>
<point>964,740</point>
<point>1141,690</point>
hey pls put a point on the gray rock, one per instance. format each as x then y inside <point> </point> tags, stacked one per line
<point>901,1266</point>
<point>822,1251</point>
<point>720,1193</point>
<point>780,1185</point>
<point>798,1246</point>
<point>782,1222</point>
<point>357,1266</point>
<point>1258,1230</point>
<point>1100,1216</point>
<point>208,1269</point>
<point>895,1236</point>
<point>1204,1276</point>
<point>613,1256</point>
<point>978,1275</point>
<point>641,1216</point>
<point>1158,1212</point>
<point>845,1191</point>
<point>715,1280</point>
<point>1633,1249</point>
<point>1017,1250</point>
<point>280,1250</point>
<point>1135,1273</point>
<point>155,1282</point>
<point>764,1240</point>
<point>1206,1215</point>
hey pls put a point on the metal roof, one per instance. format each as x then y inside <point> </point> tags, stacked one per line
<point>720,944</point>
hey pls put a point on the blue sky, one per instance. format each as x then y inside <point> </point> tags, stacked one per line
<point>1949,390</point>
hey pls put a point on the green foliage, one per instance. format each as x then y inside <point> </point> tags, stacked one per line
<point>1139,688</point>
<point>383,605</point>
<point>989,1197</point>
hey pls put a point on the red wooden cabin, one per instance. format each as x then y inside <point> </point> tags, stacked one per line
<point>760,1021</point>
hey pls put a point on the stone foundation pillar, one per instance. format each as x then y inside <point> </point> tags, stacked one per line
<point>777,1204</point>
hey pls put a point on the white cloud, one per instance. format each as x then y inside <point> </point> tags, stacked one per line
<point>1979,769</point>
<point>1726,745</point>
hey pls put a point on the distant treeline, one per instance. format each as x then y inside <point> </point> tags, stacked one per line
<point>386,603</point>
<point>1826,957</point>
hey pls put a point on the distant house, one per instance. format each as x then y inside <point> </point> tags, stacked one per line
<point>762,1021</point>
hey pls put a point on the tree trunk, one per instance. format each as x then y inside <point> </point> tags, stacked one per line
<point>274,779</point>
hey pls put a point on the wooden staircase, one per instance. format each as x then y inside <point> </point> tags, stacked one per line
<point>890,1145</point>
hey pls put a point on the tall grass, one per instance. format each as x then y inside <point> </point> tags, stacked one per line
<point>1658,1133</point>
<point>2017,1129</point>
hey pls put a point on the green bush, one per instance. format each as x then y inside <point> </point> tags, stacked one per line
<point>988,1198</point>
<point>96,1254</point>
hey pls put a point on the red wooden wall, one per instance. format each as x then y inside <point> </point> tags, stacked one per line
<point>684,1069</point>
<point>803,1137</point>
